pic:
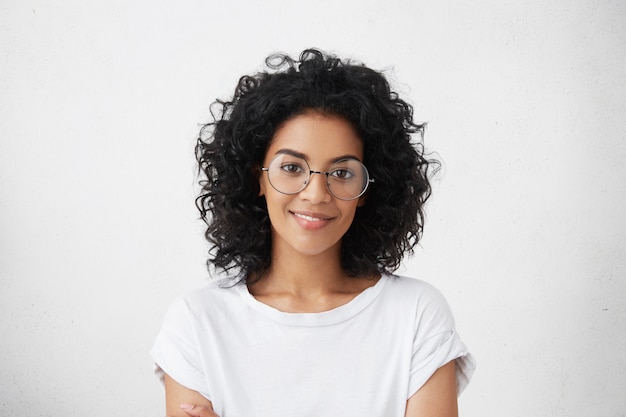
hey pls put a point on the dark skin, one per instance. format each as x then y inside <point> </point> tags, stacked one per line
<point>307,228</point>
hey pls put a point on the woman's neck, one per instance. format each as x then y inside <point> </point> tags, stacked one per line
<point>302,283</point>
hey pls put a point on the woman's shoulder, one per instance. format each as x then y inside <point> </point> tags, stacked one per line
<point>412,287</point>
<point>421,297</point>
<point>213,294</point>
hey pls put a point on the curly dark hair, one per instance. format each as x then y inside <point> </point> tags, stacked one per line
<point>232,147</point>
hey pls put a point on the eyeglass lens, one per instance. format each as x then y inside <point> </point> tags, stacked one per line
<point>346,179</point>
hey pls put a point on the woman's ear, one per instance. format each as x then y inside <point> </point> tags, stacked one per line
<point>258,173</point>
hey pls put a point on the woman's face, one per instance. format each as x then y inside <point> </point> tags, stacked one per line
<point>312,221</point>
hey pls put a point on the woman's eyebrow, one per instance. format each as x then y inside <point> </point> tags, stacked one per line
<point>287,151</point>
<point>348,156</point>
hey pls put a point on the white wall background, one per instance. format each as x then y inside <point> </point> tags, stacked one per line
<point>100,103</point>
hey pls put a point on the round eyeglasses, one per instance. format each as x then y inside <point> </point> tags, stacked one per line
<point>346,179</point>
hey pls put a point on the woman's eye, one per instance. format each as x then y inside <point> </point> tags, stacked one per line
<point>343,174</point>
<point>292,168</point>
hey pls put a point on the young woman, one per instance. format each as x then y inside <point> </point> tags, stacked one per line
<point>314,185</point>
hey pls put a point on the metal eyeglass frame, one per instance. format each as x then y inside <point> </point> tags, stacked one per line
<point>326,174</point>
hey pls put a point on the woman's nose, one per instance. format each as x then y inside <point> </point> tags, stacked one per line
<point>316,190</point>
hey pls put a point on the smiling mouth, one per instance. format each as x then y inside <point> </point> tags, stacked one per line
<point>308,218</point>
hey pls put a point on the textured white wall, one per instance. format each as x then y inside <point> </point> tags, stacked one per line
<point>99,107</point>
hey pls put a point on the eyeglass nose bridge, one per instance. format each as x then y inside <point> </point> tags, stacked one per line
<point>326,174</point>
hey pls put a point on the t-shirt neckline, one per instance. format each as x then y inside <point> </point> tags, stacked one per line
<point>325,318</point>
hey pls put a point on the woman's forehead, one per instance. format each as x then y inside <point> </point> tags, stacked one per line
<point>314,136</point>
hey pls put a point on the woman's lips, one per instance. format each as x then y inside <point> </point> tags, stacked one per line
<point>311,221</point>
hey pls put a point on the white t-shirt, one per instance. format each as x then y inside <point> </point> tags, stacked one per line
<point>364,358</point>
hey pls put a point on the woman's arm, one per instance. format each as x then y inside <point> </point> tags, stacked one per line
<point>177,395</point>
<point>437,397</point>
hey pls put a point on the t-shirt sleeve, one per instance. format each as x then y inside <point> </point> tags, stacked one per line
<point>175,350</point>
<point>436,343</point>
